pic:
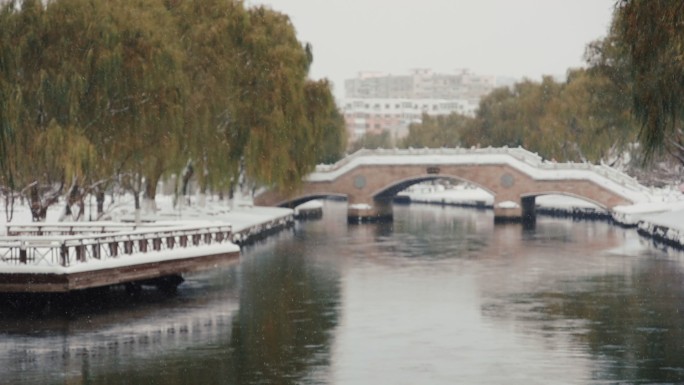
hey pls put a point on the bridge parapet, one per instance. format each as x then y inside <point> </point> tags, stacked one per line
<point>605,171</point>
<point>516,152</point>
<point>514,176</point>
<point>479,154</point>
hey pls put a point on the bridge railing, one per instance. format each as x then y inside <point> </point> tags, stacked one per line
<point>620,177</point>
<point>607,172</point>
<point>69,250</point>
<point>518,153</point>
<point>73,228</point>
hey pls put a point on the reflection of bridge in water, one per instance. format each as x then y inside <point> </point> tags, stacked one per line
<point>474,233</point>
<point>514,176</point>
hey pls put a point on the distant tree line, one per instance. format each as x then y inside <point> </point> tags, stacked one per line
<point>630,96</point>
<point>96,94</point>
<point>584,118</point>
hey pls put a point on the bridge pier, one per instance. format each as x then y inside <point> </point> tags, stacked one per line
<point>508,211</point>
<point>379,210</point>
<point>529,212</point>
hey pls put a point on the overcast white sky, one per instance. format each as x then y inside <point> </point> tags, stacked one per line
<point>516,38</point>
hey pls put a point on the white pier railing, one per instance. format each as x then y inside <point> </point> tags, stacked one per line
<point>68,250</point>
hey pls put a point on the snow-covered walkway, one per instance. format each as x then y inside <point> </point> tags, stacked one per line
<point>75,255</point>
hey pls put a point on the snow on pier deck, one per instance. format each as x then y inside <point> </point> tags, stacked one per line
<point>63,256</point>
<point>54,258</point>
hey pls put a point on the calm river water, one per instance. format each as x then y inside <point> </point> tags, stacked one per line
<point>440,296</point>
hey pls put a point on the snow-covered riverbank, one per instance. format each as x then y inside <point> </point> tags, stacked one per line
<point>662,218</point>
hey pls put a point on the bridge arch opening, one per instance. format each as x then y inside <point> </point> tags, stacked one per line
<point>567,198</point>
<point>555,202</point>
<point>306,198</point>
<point>391,190</point>
<point>562,203</point>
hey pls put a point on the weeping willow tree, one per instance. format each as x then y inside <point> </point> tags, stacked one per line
<point>651,36</point>
<point>327,122</point>
<point>251,112</point>
<point>270,125</point>
<point>10,96</point>
<point>94,93</point>
<point>26,108</point>
<point>146,103</point>
<point>70,157</point>
<point>95,77</point>
<point>207,31</point>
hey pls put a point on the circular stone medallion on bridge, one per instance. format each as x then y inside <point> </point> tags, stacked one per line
<point>507,180</point>
<point>360,182</point>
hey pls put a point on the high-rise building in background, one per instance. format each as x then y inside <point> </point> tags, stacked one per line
<point>377,102</point>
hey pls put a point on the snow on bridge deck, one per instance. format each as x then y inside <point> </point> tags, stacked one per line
<point>520,159</point>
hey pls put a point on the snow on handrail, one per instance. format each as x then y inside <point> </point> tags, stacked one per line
<point>66,250</point>
<point>518,153</point>
<point>71,228</point>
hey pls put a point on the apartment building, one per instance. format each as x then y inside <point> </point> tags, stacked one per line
<point>374,116</point>
<point>377,102</point>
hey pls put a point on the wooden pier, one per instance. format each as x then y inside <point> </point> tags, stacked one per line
<point>61,258</point>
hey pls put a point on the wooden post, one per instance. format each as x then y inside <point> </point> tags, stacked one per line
<point>80,253</point>
<point>113,248</point>
<point>64,255</point>
<point>22,254</point>
<point>128,247</point>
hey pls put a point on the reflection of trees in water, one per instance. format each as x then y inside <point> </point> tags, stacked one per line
<point>633,323</point>
<point>288,308</point>
<point>280,333</point>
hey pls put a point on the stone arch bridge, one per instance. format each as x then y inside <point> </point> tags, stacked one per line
<point>369,179</point>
